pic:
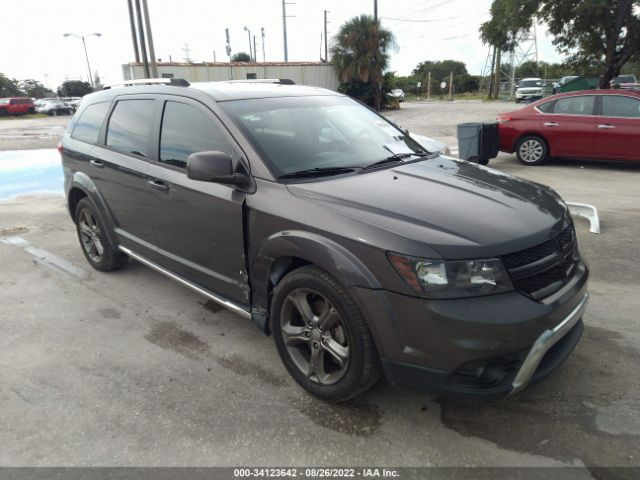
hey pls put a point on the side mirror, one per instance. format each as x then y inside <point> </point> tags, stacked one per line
<point>214,167</point>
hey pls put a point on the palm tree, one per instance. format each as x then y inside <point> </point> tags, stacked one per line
<point>360,52</point>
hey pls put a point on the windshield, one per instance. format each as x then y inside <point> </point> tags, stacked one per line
<point>300,133</point>
<point>626,79</point>
<point>529,83</point>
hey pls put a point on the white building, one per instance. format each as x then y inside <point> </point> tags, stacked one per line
<point>318,74</point>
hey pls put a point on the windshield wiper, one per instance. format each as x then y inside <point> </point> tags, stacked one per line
<point>317,172</point>
<point>396,157</point>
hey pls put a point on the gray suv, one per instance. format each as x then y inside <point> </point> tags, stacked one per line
<point>361,252</point>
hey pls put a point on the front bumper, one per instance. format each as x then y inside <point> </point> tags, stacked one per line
<point>529,96</point>
<point>486,346</point>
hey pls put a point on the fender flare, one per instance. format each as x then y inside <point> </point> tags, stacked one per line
<point>83,182</point>
<point>313,248</point>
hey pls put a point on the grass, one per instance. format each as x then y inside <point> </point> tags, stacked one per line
<point>27,116</point>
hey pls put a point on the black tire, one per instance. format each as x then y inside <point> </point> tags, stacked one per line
<point>532,150</point>
<point>517,100</point>
<point>483,161</point>
<point>97,249</point>
<point>362,368</point>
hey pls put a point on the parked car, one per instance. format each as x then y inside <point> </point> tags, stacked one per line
<point>16,106</point>
<point>397,93</point>
<point>562,82</point>
<point>55,108</point>
<point>598,124</point>
<point>361,253</point>
<point>529,89</point>
<point>624,81</point>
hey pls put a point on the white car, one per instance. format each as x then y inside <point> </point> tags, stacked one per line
<point>530,89</point>
<point>55,108</point>
<point>397,93</point>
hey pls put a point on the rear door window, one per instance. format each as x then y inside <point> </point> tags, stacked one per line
<point>186,130</point>
<point>580,105</point>
<point>620,106</point>
<point>130,126</point>
<point>88,125</point>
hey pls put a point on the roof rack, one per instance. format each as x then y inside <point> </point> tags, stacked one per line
<point>176,82</point>
<point>281,81</point>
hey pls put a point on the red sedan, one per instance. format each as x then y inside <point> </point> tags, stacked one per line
<point>598,124</point>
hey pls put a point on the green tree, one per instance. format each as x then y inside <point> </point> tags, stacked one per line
<point>599,33</point>
<point>360,53</point>
<point>240,57</point>
<point>595,34</point>
<point>440,70</point>
<point>9,87</point>
<point>74,88</point>
<point>500,32</point>
<point>34,89</point>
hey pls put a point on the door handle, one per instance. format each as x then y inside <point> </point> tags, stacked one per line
<point>606,125</point>
<point>551,124</point>
<point>97,163</point>
<point>158,185</point>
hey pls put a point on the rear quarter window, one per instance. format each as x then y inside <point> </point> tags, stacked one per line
<point>545,107</point>
<point>87,127</point>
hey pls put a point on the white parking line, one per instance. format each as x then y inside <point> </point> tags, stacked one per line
<point>45,258</point>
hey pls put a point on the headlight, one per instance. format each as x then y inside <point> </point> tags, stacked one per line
<point>452,279</point>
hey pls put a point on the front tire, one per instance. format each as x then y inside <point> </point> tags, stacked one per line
<point>532,150</point>
<point>97,249</point>
<point>322,337</point>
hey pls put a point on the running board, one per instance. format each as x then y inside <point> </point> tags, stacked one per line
<point>586,211</point>
<point>212,296</point>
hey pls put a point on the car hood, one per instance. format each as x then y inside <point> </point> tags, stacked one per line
<point>455,208</point>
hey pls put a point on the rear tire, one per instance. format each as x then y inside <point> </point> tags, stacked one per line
<point>97,249</point>
<point>532,150</point>
<point>322,337</point>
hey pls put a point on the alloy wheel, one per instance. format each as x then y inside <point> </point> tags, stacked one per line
<point>315,336</point>
<point>91,235</point>
<point>531,150</point>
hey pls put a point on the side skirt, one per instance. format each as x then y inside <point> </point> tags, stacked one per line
<point>210,295</point>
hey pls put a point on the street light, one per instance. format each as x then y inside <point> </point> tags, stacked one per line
<point>84,44</point>
<point>249,33</point>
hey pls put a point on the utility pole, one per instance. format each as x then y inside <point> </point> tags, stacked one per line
<point>143,45</point>
<point>450,86</point>
<point>134,39</point>
<point>246,29</point>
<point>375,10</point>
<point>152,52</point>
<point>262,34</point>
<point>429,86</point>
<point>214,56</point>
<point>228,45</point>
<point>326,43</point>
<point>255,52</point>
<point>284,27</point>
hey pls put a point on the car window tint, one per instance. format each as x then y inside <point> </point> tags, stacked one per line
<point>581,105</point>
<point>620,106</point>
<point>545,107</point>
<point>186,130</point>
<point>88,125</point>
<point>129,126</point>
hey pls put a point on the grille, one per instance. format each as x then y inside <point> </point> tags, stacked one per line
<point>542,270</point>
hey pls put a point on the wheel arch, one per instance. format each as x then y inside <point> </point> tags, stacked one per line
<point>81,186</point>
<point>285,251</point>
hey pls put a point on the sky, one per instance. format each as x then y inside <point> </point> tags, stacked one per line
<point>425,30</point>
